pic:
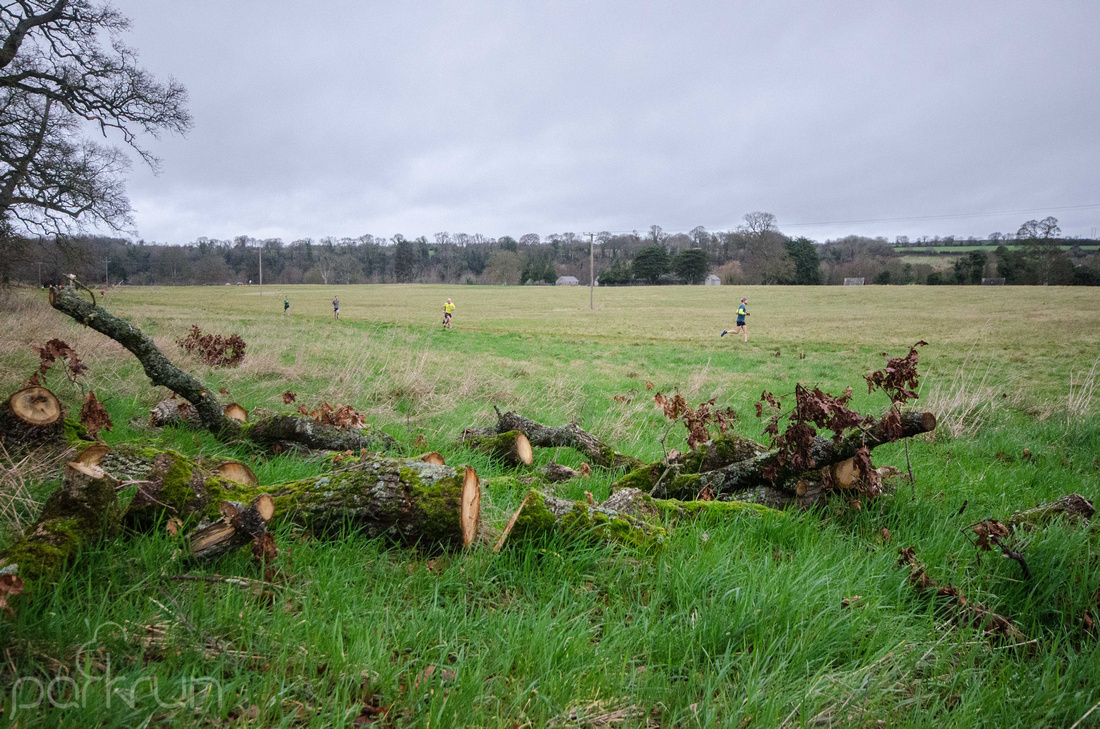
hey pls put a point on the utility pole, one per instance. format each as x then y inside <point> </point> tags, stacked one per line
<point>592,271</point>
<point>39,273</point>
<point>107,274</point>
<point>261,270</point>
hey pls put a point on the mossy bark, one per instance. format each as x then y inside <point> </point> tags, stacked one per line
<point>408,500</point>
<point>82,512</point>
<point>636,503</point>
<point>1071,508</point>
<point>542,516</point>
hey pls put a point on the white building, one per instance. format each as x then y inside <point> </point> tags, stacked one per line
<point>712,280</point>
<point>567,281</point>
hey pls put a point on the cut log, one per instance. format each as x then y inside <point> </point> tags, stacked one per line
<point>565,436</point>
<point>746,480</point>
<point>237,472</point>
<point>239,526</point>
<point>233,411</point>
<point>433,458</point>
<point>409,500</point>
<point>541,516</point>
<point>30,418</point>
<point>174,411</point>
<point>511,446</point>
<point>277,431</point>
<point>282,432</point>
<point>723,450</point>
<point>556,473</point>
<point>636,503</point>
<point>81,513</point>
<point>93,455</point>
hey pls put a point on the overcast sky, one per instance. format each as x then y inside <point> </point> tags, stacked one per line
<point>347,118</point>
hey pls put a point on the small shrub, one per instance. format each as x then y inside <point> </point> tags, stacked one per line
<point>214,349</point>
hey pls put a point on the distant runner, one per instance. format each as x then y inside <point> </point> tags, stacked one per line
<point>286,305</point>
<point>336,308</point>
<point>448,309</point>
<point>742,312</point>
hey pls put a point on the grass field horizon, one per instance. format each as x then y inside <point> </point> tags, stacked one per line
<point>737,623</point>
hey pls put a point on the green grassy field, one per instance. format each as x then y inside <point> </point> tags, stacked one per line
<point>739,623</point>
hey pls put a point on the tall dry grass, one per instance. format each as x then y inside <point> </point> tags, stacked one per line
<point>1082,387</point>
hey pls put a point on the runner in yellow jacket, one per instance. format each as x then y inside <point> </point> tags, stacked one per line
<point>448,310</point>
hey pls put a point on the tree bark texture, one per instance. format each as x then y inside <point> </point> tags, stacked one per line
<point>160,370</point>
<point>82,512</point>
<point>565,436</point>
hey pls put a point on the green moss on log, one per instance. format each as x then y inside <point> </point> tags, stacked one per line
<point>82,512</point>
<point>543,516</point>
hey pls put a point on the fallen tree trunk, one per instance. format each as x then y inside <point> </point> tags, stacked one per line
<point>412,500</point>
<point>31,417</point>
<point>512,446</point>
<point>541,516</point>
<point>721,451</point>
<point>749,481</point>
<point>82,512</point>
<point>275,430</point>
<point>629,517</point>
<point>239,525</point>
<point>563,436</point>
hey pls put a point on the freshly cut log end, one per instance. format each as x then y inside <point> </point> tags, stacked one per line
<point>238,526</point>
<point>233,411</point>
<point>36,406</point>
<point>511,524</point>
<point>433,458</point>
<point>511,446</point>
<point>265,506</point>
<point>30,418</point>
<point>470,510</point>
<point>93,455</point>
<point>237,472</point>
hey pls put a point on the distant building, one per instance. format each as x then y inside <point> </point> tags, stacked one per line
<point>712,280</point>
<point>993,282</point>
<point>567,281</point>
<point>853,281</point>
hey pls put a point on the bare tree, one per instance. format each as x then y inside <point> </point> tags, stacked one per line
<point>63,67</point>
<point>766,257</point>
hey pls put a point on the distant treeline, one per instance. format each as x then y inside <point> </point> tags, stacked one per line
<point>755,253</point>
